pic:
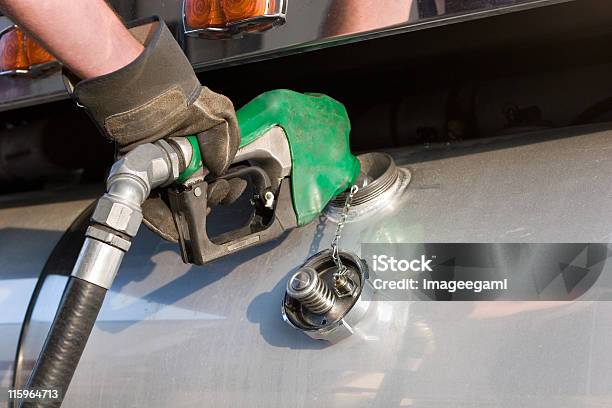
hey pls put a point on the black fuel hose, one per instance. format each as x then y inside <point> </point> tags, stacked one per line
<point>66,340</point>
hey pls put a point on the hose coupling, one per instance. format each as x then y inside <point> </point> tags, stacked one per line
<point>130,182</point>
<point>118,213</point>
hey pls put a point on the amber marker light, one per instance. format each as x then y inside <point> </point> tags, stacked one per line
<point>229,18</point>
<point>204,13</point>
<point>21,54</point>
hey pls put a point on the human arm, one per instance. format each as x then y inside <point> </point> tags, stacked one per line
<point>138,97</point>
<point>87,36</point>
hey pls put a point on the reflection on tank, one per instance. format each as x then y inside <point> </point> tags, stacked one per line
<point>357,16</point>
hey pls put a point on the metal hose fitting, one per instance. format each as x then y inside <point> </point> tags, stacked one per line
<point>306,287</point>
<point>118,214</point>
<point>114,223</point>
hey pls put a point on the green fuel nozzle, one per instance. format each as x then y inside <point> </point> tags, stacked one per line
<point>297,155</point>
<point>317,130</point>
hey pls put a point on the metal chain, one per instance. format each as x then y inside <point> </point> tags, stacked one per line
<point>341,269</point>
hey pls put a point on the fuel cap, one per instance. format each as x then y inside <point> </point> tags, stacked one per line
<point>323,304</point>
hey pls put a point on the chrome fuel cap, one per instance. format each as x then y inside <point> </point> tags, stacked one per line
<point>324,305</point>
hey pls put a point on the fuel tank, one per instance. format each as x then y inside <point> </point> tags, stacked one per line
<point>171,334</point>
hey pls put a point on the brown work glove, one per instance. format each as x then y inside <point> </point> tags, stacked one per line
<point>158,95</point>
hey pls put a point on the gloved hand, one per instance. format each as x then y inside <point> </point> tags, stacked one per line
<point>158,95</point>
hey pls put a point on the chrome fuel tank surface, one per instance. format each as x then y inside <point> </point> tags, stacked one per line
<point>176,335</point>
<point>30,226</point>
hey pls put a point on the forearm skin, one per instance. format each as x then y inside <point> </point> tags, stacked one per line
<point>85,35</point>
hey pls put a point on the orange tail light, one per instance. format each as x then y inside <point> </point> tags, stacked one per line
<point>19,53</point>
<point>236,10</point>
<point>232,16</point>
<point>204,13</point>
